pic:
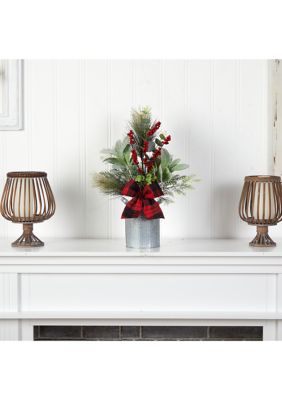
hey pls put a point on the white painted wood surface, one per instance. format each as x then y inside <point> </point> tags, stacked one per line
<point>207,282</point>
<point>11,93</point>
<point>216,112</point>
<point>276,114</point>
<point>9,303</point>
<point>107,248</point>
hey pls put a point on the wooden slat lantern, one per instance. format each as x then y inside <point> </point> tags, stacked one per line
<point>27,198</point>
<point>261,205</point>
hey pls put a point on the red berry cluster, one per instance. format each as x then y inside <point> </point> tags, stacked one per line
<point>131,137</point>
<point>166,140</point>
<point>156,153</point>
<point>146,146</point>
<point>149,164</point>
<point>148,161</point>
<point>134,156</point>
<point>154,129</point>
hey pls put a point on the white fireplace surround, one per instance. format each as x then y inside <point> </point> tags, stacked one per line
<point>100,282</point>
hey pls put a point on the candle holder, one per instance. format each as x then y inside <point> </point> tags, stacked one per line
<point>261,205</point>
<point>27,198</point>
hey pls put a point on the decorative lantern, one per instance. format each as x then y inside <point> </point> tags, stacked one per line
<point>27,198</point>
<point>261,205</point>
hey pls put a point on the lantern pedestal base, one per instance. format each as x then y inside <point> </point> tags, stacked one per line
<point>262,238</point>
<point>28,239</point>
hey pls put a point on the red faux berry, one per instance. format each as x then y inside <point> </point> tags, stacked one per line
<point>131,137</point>
<point>146,146</point>
<point>166,140</point>
<point>154,129</point>
<point>134,157</point>
<point>156,153</point>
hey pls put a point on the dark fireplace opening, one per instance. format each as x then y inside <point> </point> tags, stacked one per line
<point>148,333</point>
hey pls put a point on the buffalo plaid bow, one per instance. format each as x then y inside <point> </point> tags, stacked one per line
<point>143,201</point>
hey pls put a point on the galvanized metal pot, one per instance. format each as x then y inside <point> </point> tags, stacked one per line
<point>142,233</point>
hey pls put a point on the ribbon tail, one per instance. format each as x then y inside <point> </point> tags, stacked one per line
<point>132,209</point>
<point>152,209</point>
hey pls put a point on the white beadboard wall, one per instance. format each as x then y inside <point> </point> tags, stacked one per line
<point>216,111</point>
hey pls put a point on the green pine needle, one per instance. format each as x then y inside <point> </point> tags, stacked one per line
<point>122,168</point>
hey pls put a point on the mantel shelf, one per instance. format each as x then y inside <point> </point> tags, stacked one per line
<point>111,256</point>
<point>116,248</point>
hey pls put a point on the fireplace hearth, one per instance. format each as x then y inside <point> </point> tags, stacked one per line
<point>148,333</point>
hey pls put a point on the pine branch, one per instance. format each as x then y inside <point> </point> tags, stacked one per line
<point>110,182</point>
<point>165,169</point>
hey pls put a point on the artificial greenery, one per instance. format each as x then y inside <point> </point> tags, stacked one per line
<point>142,156</point>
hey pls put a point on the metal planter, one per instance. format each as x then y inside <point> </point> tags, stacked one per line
<point>142,233</point>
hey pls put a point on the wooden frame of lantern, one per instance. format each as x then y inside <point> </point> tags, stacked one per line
<point>27,198</point>
<point>261,205</point>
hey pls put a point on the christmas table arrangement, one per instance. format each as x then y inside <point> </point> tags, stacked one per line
<point>142,169</point>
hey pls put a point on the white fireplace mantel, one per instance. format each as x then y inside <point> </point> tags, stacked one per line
<point>100,282</point>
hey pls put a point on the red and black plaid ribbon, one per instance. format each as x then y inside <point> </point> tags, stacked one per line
<point>143,201</point>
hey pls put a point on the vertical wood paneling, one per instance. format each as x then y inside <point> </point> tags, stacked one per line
<point>96,125</point>
<point>42,128</point>
<point>82,146</point>
<point>225,195</point>
<point>3,151</point>
<point>68,190</point>
<point>41,108</point>
<point>250,146</point>
<point>174,117</point>
<point>14,154</point>
<point>121,104</point>
<point>275,120</point>
<point>216,112</point>
<point>200,145</point>
<point>147,80</point>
